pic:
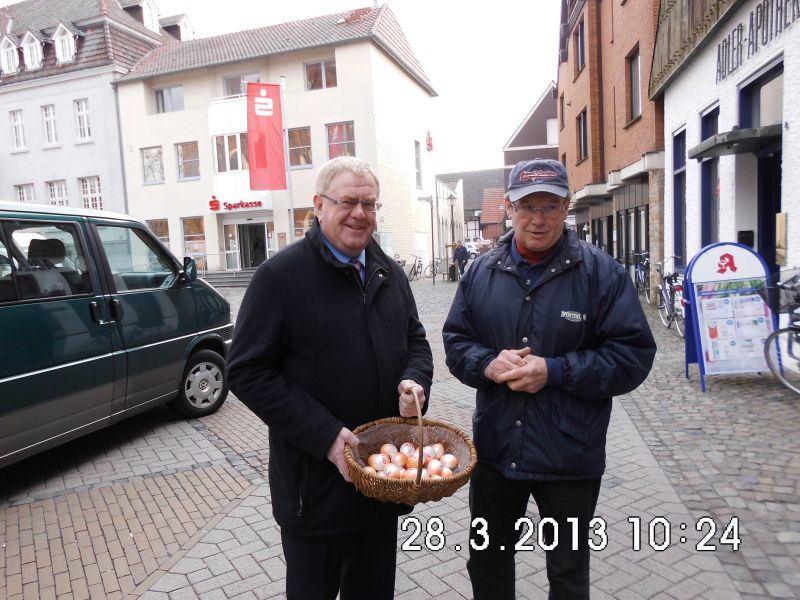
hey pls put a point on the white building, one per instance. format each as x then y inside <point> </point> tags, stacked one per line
<point>58,60</point>
<point>731,126</point>
<point>351,86</point>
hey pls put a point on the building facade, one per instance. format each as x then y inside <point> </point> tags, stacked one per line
<point>537,134</point>
<point>732,158</point>
<point>58,61</point>
<point>610,132</point>
<point>351,86</point>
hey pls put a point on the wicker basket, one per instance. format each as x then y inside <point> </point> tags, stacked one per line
<point>420,432</point>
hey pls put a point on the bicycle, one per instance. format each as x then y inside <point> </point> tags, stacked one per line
<point>642,274</point>
<point>416,268</point>
<point>399,261</point>
<point>432,270</point>
<point>782,347</point>
<point>670,299</point>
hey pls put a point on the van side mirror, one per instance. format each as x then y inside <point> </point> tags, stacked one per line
<point>190,268</point>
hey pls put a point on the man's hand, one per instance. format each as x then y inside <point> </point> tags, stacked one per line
<point>408,408</point>
<point>336,451</point>
<point>520,370</point>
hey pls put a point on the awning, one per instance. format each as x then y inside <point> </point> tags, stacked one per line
<point>738,141</point>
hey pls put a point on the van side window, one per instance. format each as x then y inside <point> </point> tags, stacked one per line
<point>137,262</point>
<point>45,259</point>
<point>7,290</point>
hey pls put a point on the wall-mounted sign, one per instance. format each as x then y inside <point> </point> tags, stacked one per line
<point>767,21</point>
<point>729,321</point>
<point>215,205</point>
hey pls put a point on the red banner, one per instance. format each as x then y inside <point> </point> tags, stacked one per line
<point>265,137</point>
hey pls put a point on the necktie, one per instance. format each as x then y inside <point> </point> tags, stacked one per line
<point>358,267</point>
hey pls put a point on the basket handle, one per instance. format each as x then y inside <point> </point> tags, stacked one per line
<point>420,458</point>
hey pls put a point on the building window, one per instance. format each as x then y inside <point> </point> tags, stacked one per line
<point>57,192</point>
<point>90,192</point>
<point>300,147</point>
<point>188,156</point>
<point>418,163</point>
<point>32,52</point>
<point>679,197</point>
<point>49,124</point>
<point>341,139</point>
<point>17,130</point>
<point>237,84</point>
<point>761,101</point>
<point>9,57</point>
<point>552,132</point>
<point>160,229</point>
<point>65,45</point>
<point>583,136</point>
<point>82,124</point>
<point>634,86</point>
<point>709,183</point>
<point>152,165</point>
<point>25,192</point>
<point>320,75</point>
<point>231,153</point>
<point>169,99</point>
<point>194,240</point>
<point>580,47</point>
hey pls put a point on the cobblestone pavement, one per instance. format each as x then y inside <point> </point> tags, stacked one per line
<point>159,508</point>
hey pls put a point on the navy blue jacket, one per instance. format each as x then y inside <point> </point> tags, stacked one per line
<point>584,309</point>
<point>314,351</point>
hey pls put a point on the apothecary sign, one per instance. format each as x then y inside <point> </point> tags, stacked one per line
<point>768,20</point>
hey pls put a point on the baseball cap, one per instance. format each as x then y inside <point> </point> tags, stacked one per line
<point>537,175</point>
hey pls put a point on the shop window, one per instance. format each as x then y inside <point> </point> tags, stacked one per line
<point>320,74</point>
<point>709,183</point>
<point>679,198</point>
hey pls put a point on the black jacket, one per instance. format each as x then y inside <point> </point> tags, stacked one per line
<point>583,308</point>
<point>314,351</point>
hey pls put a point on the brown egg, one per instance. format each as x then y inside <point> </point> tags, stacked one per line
<point>449,461</point>
<point>389,450</point>
<point>377,461</point>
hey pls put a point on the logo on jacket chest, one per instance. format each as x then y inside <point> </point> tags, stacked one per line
<point>573,316</point>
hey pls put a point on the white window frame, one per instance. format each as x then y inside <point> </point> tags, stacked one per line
<point>91,194</point>
<point>64,42</point>
<point>418,163</point>
<point>25,192</point>
<point>296,163</point>
<point>57,192</point>
<point>243,79</point>
<point>49,128</point>
<point>32,52</point>
<point>241,152</point>
<point>9,57</point>
<point>181,162</point>
<point>322,64</point>
<point>17,130</point>
<point>552,132</point>
<point>342,143</point>
<point>83,126</point>
<point>166,101</point>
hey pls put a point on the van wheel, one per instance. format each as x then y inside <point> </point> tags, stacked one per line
<point>203,385</point>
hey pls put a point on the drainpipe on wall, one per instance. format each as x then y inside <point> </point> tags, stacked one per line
<point>121,147</point>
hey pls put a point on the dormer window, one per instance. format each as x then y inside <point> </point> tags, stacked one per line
<point>32,52</point>
<point>65,45</point>
<point>150,16</point>
<point>9,56</point>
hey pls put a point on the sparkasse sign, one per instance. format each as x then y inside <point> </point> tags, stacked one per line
<point>216,205</point>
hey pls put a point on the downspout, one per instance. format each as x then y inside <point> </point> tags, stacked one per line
<point>121,147</point>
<point>598,68</point>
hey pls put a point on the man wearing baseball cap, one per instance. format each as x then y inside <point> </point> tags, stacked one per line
<point>547,328</point>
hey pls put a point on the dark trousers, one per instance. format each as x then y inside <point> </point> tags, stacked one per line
<point>502,502</point>
<point>461,265</point>
<point>358,565</point>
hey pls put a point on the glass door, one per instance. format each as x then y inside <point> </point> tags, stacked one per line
<point>231,248</point>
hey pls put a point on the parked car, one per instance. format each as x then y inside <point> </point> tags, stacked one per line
<point>473,249</point>
<point>99,322</point>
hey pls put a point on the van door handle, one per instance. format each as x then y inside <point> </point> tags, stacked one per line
<point>94,311</point>
<point>115,307</point>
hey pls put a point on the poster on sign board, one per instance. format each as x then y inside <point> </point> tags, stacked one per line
<point>730,321</point>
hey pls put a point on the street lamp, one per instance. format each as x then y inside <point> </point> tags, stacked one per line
<point>451,200</point>
<point>429,200</point>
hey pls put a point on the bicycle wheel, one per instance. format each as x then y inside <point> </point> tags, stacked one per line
<point>428,271</point>
<point>412,273</point>
<point>663,308</point>
<point>647,287</point>
<point>782,351</point>
<point>677,318</point>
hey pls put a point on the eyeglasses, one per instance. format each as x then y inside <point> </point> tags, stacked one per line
<point>369,206</point>
<point>546,211</point>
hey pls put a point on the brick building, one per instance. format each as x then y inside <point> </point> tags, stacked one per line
<point>610,134</point>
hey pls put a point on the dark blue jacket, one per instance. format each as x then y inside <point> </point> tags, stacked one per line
<point>314,351</point>
<point>584,309</point>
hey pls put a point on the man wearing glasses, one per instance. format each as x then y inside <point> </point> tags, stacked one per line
<point>547,328</point>
<point>328,338</point>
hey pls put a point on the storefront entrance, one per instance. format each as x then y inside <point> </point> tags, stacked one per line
<point>769,205</point>
<point>252,244</point>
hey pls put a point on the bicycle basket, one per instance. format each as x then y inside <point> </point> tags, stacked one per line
<point>783,295</point>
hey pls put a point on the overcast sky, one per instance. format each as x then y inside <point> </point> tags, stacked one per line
<point>489,62</point>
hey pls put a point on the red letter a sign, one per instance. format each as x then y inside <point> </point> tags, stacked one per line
<point>265,137</point>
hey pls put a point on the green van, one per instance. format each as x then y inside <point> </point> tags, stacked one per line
<point>98,322</point>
